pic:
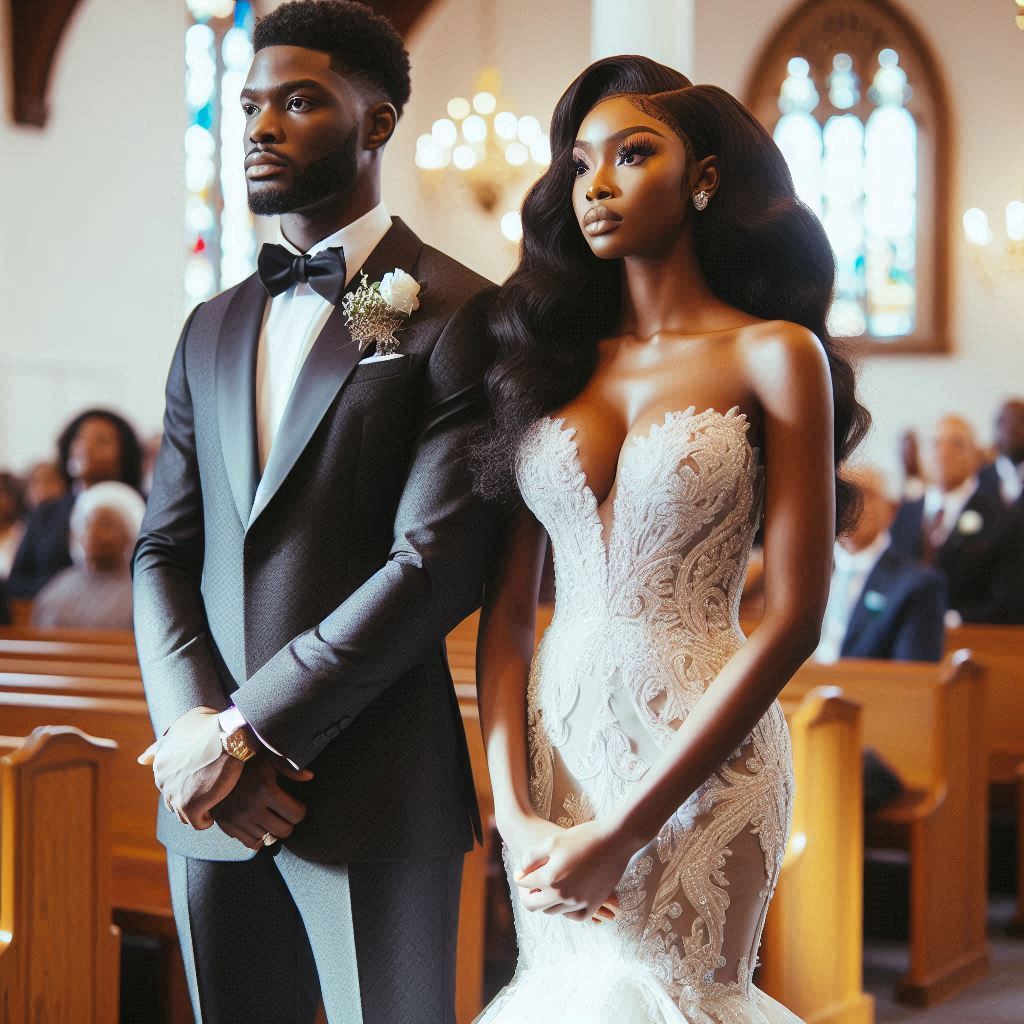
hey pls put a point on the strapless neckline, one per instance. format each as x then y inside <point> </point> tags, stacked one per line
<point>733,415</point>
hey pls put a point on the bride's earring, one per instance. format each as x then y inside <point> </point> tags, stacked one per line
<point>700,199</point>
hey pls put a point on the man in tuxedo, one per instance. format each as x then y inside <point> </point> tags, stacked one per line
<point>881,603</point>
<point>1004,478</point>
<point>962,531</point>
<point>311,537</point>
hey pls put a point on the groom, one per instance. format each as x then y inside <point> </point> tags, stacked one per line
<point>311,537</point>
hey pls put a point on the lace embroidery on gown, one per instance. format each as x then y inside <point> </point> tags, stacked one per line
<point>644,619</point>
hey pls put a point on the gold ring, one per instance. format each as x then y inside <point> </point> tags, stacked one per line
<point>268,839</point>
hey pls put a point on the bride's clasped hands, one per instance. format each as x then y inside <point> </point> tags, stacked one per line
<point>571,871</point>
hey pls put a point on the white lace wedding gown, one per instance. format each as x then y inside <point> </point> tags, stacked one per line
<point>642,623</point>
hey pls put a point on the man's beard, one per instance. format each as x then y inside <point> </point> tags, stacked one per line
<point>333,174</point>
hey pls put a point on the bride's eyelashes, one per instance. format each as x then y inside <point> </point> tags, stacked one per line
<point>631,153</point>
<point>635,150</point>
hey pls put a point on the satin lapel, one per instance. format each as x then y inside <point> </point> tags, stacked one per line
<point>236,390</point>
<point>328,366</point>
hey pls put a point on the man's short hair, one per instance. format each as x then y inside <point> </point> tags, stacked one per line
<point>362,45</point>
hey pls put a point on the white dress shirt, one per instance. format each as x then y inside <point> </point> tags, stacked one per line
<point>291,324</point>
<point>294,319</point>
<point>1011,479</point>
<point>952,504</point>
<point>850,572</point>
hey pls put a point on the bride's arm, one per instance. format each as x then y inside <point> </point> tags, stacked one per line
<point>504,652</point>
<point>793,385</point>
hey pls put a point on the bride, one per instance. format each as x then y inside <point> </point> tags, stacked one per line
<point>665,379</point>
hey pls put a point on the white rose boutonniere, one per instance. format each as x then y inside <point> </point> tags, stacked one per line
<point>374,312</point>
<point>970,522</point>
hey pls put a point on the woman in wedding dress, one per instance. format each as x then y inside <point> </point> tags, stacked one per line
<point>665,382</point>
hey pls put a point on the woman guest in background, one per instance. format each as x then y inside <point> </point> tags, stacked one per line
<point>96,592</point>
<point>95,447</point>
<point>12,520</point>
<point>666,376</point>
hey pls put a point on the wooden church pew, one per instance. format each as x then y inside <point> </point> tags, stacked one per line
<point>928,721</point>
<point>60,666</point>
<point>1000,650</point>
<point>68,650</point>
<point>119,637</point>
<point>812,947</point>
<point>60,959</point>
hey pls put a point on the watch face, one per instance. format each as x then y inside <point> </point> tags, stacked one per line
<point>238,745</point>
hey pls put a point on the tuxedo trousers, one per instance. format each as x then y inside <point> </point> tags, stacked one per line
<point>264,939</point>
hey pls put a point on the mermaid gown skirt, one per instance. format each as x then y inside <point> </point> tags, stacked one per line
<point>643,622</point>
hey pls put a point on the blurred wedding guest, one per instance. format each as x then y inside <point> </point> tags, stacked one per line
<point>1004,478</point>
<point>43,482</point>
<point>96,592</point>
<point>961,530</point>
<point>910,459</point>
<point>95,447</point>
<point>12,520</point>
<point>881,603</point>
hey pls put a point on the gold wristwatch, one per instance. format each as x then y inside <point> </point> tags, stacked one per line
<point>234,734</point>
<point>237,744</point>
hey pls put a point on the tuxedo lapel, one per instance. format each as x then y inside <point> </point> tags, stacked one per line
<point>328,366</point>
<point>236,390</point>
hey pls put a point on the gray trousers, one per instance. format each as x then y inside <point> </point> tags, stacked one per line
<point>264,939</point>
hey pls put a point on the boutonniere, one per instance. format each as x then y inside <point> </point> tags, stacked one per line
<point>970,522</point>
<point>374,312</point>
<point>874,601</point>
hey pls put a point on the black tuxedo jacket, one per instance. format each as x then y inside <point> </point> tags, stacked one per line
<point>322,610</point>
<point>980,566</point>
<point>991,483</point>
<point>899,613</point>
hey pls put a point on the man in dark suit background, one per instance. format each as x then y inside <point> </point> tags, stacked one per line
<point>1004,478</point>
<point>962,531</point>
<point>311,537</point>
<point>881,603</point>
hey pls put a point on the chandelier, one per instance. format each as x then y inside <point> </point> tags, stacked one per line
<point>992,258</point>
<point>489,150</point>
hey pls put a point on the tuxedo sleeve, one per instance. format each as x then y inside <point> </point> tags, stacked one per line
<point>921,633</point>
<point>314,687</point>
<point>178,667</point>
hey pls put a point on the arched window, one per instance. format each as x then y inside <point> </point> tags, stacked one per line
<point>220,236</point>
<point>852,96</point>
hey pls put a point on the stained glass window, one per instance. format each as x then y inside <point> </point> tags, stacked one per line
<point>853,156</point>
<point>220,239</point>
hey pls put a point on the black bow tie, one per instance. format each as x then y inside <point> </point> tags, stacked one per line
<point>325,272</point>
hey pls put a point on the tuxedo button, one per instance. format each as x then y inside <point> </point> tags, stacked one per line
<point>331,731</point>
<point>344,720</point>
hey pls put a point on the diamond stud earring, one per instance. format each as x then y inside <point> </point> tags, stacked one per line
<point>700,199</point>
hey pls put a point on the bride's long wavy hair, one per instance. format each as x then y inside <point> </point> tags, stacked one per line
<point>760,249</point>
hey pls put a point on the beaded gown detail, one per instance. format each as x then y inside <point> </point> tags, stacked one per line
<point>643,621</point>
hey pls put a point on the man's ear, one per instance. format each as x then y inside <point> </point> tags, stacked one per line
<point>381,121</point>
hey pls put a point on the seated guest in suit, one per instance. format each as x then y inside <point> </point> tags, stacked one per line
<point>12,520</point>
<point>5,615</point>
<point>96,592</point>
<point>960,530</point>
<point>95,447</point>
<point>1004,478</point>
<point>882,604</point>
